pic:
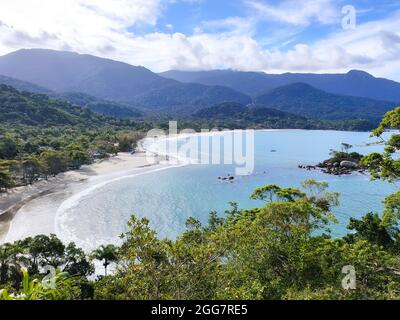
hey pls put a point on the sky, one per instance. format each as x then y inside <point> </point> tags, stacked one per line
<point>318,36</point>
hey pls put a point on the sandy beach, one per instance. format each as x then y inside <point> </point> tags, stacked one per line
<point>32,210</point>
<point>17,221</point>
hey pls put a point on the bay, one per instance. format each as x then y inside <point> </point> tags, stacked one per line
<point>169,197</point>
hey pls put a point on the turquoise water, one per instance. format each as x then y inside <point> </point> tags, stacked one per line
<point>168,197</point>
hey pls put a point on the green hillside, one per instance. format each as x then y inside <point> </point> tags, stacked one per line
<point>33,109</point>
<point>235,115</point>
<point>305,100</point>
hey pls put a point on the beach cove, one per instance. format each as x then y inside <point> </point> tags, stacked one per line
<point>92,206</point>
<point>20,209</point>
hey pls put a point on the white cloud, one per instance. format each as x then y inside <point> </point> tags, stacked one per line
<point>301,13</point>
<point>81,25</point>
<point>230,25</point>
<point>99,28</point>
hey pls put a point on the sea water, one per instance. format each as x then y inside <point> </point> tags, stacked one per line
<point>168,196</point>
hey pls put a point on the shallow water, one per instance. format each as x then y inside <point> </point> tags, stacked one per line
<point>169,196</point>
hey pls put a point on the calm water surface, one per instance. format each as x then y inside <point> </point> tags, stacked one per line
<point>169,197</point>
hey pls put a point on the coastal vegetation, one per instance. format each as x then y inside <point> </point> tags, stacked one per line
<point>279,250</point>
<point>41,137</point>
<point>282,249</point>
<point>28,154</point>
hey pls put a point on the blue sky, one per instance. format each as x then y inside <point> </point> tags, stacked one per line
<point>186,16</point>
<point>258,35</point>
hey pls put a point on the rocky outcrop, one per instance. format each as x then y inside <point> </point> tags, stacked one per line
<point>227,178</point>
<point>349,165</point>
<point>337,169</point>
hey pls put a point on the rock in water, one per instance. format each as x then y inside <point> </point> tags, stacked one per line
<point>349,165</point>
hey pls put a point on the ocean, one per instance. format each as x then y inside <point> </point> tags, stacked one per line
<point>168,196</point>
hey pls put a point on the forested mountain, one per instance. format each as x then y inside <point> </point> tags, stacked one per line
<point>251,83</point>
<point>235,115</point>
<point>108,80</point>
<point>39,110</point>
<point>303,99</point>
<point>186,99</point>
<point>236,110</point>
<point>110,108</point>
<point>71,72</point>
<point>122,90</point>
<point>106,107</point>
<point>354,83</point>
<point>22,85</point>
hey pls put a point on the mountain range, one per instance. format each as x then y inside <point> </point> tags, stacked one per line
<point>303,99</point>
<point>238,111</point>
<point>110,108</point>
<point>236,116</point>
<point>122,90</point>
<point>33,109</point>
<point>23,85</point>
<point>111,80</point>
<point>354,83</point>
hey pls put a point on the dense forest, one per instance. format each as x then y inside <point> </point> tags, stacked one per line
<point>109,108</point>
<point>281,249</point>
<point>41,137</point>
<point>238,116</point>
<point>301,98</point>
<point>39,110</point>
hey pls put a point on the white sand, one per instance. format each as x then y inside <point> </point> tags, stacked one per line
<point>29,211</point>
<point>32,210</point>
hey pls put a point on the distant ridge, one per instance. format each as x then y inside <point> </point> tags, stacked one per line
<point>303,99</point>
<point>353,83</point>
<point>107,79</point>
<point>122,90</point>
<point>238,111</point>
<point>23,85</point>
<point>236,116</point>
<point>109,108</point>
<point>34,109</point>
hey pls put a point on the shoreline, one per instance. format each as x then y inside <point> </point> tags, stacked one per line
<point>72,183</point>
<point>8,215</point>
<point>14,201</point>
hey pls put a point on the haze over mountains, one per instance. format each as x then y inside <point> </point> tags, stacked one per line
<point>98,105</point>
<point>110,80</point>
<point>303,99</point>
<point>247,113</point>
<point>122,90</point>
<point>354,83</point>
<point>26,108</point>
<point>23,86</point>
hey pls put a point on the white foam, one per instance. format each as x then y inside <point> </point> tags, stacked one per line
<point>21,227</point>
